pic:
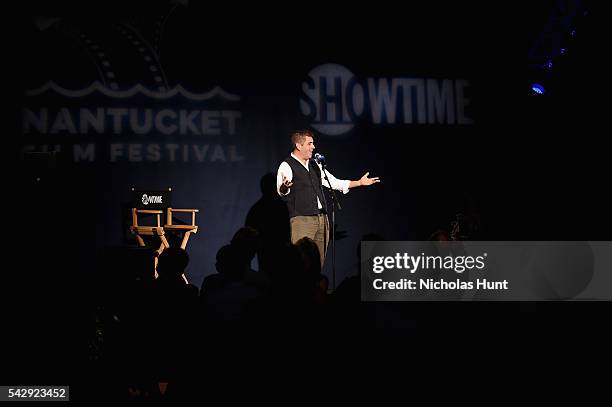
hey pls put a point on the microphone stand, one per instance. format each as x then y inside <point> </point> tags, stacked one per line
<point>333,221</point>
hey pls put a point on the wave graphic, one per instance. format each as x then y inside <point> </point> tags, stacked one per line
<point>97,86</point>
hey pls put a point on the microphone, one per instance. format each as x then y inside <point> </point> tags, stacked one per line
<point>319,158</point>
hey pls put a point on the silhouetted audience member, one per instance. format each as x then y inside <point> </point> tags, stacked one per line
<point>170,268</point>
<point>247,241</point>
<point>226,295</point>
<point>173,314</point>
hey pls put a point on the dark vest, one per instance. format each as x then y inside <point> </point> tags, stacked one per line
<point>302,199</point>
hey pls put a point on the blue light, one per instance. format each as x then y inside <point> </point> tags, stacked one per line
<point>563,51</point>
<point>538,89</point>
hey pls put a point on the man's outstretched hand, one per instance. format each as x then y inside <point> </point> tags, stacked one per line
<point>285,185</point>
<point>365,181</point>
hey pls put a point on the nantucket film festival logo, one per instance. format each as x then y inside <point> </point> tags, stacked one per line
<point>134,125</point>
<point>334,99</point>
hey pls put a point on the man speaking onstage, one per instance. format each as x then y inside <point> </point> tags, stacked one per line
<point>298,182</point>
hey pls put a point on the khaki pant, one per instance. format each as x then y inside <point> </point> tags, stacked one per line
<point>315,227</point>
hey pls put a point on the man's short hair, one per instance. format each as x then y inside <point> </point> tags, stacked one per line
<point>298,137</point>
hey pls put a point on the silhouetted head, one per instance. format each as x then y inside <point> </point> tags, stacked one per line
<point>172,262</point>
<point>246,241</point>
<point>268,184</point>
<point>229,262</point>
<point>310,255</point>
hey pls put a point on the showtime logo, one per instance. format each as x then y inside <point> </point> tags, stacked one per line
<point>146,199</point>
<point>333,98</point>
